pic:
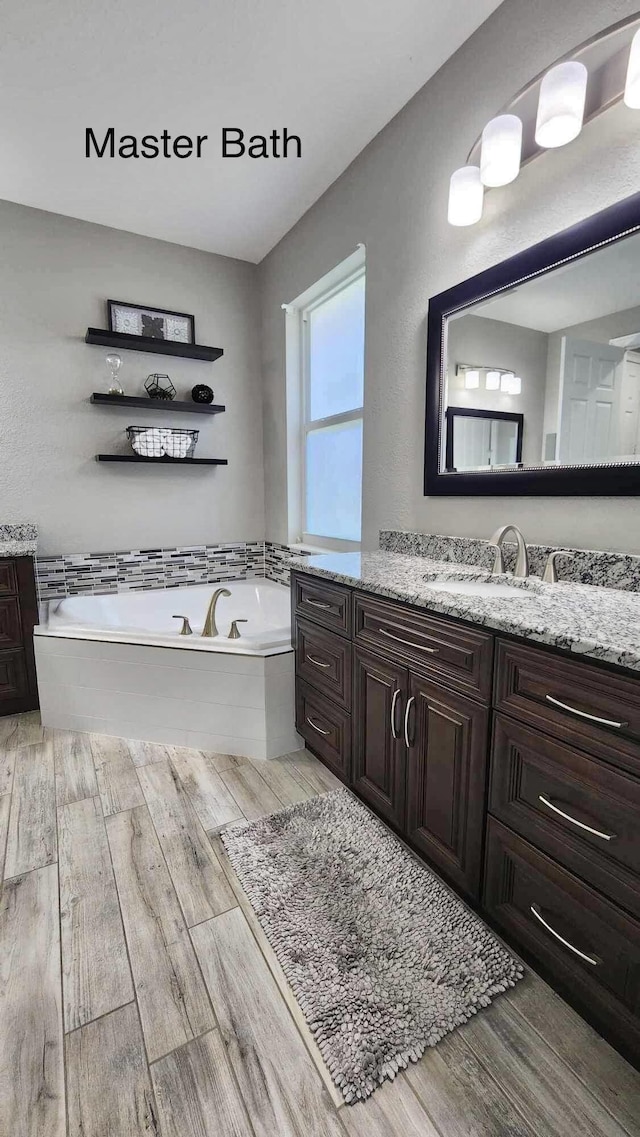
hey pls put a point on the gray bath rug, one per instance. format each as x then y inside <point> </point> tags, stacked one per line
<point>383,959</point>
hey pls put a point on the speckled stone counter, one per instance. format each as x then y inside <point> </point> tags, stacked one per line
<point>18,540</point>
<point>599,623</point>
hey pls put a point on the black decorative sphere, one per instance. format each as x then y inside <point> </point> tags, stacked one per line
<point>202,394</point>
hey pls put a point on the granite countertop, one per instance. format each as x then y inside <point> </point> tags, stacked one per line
<point>18,540</point>
<point>595,622</point>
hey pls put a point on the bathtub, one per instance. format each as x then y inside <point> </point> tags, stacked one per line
<point>116,664</point>
<point>148,616</point>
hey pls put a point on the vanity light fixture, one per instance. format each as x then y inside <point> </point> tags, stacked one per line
<point>511,384</point>
<point>492,381</point>
<point>501,150</point>
<point>561,104</point>
<point>466,194</point>
<point>471,379</point>
<point>632,84</point>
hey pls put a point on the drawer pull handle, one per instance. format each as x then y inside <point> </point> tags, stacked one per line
<point>318,728</point>
<point>317,603</point>
<point>583,714</point>
<point>317,662</point>
<point>409,643</point>
<point>410,703</point>
<point>574,820</point>
<point>538,915</point>
<point>396,696</point>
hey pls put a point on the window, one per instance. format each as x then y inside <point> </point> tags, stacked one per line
<point>328,337</point>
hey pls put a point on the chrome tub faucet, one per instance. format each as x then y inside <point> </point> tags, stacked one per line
<point>522,559</point>
<point>210,629</point>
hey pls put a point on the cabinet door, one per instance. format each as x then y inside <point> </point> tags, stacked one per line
<point>379,759</point>
<point>447,781</point>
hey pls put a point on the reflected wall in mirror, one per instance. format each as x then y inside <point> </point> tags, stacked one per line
<point>550,338</point>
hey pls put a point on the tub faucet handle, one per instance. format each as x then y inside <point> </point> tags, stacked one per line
<point>234,634</point>
<point>186,629</point>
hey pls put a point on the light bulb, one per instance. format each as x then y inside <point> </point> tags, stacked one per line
<point>632,85</point>
<point>471,380</point>
<point>492,381</point>
<point>501,150</point>
<point>561,104</point>
<point>466,195</point>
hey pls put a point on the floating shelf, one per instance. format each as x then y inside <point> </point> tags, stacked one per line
<point>148,404</point>
<point>104,338</point>
<point>164,461</point>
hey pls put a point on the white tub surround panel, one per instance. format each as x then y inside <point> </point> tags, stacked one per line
<point>231,703</point>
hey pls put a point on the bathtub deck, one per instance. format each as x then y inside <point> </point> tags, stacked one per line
<point>140,996</point>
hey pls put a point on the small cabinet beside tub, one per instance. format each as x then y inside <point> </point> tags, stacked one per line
<point>18,617</point>
<point>513,770</point>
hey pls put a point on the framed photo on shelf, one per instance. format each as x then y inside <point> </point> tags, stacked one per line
<point>155,323</point>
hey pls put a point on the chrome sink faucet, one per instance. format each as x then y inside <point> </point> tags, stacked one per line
<point>522,560</point>
<point>210,628</point>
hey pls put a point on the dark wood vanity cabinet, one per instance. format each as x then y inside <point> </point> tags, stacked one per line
<point>18,616</point>
<point>513,770</point>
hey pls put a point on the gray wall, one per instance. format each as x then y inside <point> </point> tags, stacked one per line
<point>394,198</point>
<point>474,339</point>
<point>55,274</point>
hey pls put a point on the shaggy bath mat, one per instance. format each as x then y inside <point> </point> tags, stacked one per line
<point>382,958</point>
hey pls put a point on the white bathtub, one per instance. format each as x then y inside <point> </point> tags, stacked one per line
<point>117,665</point>
<point>147,617</point>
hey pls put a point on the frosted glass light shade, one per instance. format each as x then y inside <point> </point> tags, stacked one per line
<point>511,384</point>
<point>632,85</point>
<point>492,381</point>
<point>501,150</point>
<point>466,194</point>
<point>472,380</point>
<point>561,104</point>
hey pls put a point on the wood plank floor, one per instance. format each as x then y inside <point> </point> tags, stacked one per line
<point>134,973</point>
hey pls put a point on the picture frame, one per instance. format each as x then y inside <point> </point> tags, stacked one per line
<point>151,323</point>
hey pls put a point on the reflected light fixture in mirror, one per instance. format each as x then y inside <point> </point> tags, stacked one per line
<point>466,194</point>
<point>561,104</point>
<point>632,84</point>
<point>501,150</point>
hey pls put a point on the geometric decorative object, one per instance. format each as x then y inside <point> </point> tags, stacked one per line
<point>201,393</point>
<point>159,386</point>
<point>383,959</point>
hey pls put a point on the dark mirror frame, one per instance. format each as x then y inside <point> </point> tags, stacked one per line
<point>612,224</point>
<point>476,412</point>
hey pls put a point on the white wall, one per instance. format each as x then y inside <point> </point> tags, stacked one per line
<point>55,275</point>
<point>394,198</point>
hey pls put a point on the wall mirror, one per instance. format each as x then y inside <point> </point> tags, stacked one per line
<point>533,369</point>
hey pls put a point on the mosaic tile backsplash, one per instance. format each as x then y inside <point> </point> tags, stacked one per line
<point>81,574</point>
<point>587,566</point>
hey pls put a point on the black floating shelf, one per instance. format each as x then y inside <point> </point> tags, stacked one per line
<point>164,461</point>
<point>156,404</point>
<point>149,343</point>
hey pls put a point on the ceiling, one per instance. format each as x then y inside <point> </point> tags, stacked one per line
<point>598,285</point>
<point>332,71</point>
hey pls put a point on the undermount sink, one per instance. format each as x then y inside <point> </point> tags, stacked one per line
<point>479,588</point>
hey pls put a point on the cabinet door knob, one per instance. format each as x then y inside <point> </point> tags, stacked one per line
<point>396,696</point>
<point>410,703</point>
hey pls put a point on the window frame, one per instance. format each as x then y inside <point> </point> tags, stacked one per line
<point>299,422</point>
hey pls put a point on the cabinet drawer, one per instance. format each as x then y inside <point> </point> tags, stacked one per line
<point>8,577</point>
<point>324,603</point>
<point>325,727</point>
<point>324,660</point>
<point>589,945</point>
<point>14,682</point>
<point>578,809</point>
<point>595,709</point>
<point>449,652</point>
<point>10,622</point>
